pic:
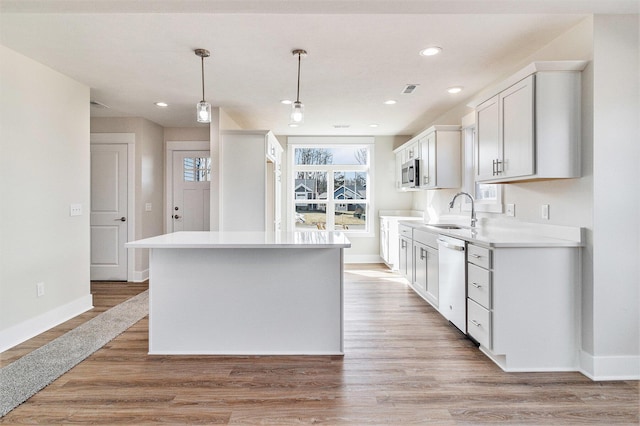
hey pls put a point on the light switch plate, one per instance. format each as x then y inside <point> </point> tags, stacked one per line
<point>545,211</point>
<point>75,210</point>
<point>147,207</point>
<point>511,210</point>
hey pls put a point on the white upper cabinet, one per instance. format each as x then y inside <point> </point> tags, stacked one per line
<point>529,126</point>
<point>438,149</point>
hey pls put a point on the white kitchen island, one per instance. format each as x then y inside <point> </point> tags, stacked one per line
<point>246,293</point>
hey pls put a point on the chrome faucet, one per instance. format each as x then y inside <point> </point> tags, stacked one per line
<point>473,207</point>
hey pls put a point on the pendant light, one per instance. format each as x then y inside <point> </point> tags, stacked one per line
<point>297,108</point>
<point>203,108</point>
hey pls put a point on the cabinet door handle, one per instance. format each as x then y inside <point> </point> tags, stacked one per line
<point>422,253</point>
<point>476,323</point>
<point>475,256</point>
<point>476,285</point>
<point>493,168</point>
<point>498,163</point>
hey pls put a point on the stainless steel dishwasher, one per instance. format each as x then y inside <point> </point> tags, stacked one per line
<point>452,271</point>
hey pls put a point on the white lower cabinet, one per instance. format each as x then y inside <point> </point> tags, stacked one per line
<point>522,306</point>
<point>425,262</point>
<point>479,323</point>
<point>405,255</point>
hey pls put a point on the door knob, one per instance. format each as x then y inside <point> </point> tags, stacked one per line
<point>122,219</point>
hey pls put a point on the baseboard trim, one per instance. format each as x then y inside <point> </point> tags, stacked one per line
<point>141,276</point>
<point>25,330</point>
<point>600,368</point>
<point>362,258</point>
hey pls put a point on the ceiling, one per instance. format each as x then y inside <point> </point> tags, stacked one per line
<point>360,53</point>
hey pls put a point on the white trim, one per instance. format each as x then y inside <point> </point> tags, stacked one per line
<point>330,140</point>
<point>141,276</point>
<point>362,258</point>
<point>600,368</point>
<point>25,330</point>
<point>170,148</point>
<point>130,140</point>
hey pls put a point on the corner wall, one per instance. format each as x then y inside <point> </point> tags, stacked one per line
<point>44,167</point>
<point>615,327</point>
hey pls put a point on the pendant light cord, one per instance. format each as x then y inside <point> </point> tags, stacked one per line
<point>202,63</point>
<point>298,93</point>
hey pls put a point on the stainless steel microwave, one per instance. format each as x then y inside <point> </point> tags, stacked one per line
<point>411,174</point>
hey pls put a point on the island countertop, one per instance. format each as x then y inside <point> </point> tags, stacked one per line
<point>212,239</point>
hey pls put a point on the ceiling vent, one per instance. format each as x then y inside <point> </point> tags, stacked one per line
<point>341,126</point>
<point>409,89</point>
<point>97,104</point>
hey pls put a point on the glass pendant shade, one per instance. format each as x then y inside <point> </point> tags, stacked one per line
<point>297,112</point>
<point>203,111</point>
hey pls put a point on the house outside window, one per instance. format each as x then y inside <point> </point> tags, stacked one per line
<point>330,185</point>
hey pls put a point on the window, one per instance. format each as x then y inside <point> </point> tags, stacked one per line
<point>196,169</point>
<point>330,185</point>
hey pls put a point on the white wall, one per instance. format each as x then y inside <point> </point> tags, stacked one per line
<point>616,113</point>
<point>44,167</point>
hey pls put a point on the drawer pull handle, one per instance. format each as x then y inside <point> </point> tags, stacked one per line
<point>476,285</point>
<point>476,323</point>
<point>475,256</point>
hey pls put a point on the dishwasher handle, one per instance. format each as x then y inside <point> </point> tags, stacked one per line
<point>450,246</point>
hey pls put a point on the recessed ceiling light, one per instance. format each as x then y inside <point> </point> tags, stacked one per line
<point>454,90</point>
<point>293,125</point>
<point>286,102</point>
<point>373,125</point>
<point>162,104</point>
<point>390,102</point>
<point>430,51</point>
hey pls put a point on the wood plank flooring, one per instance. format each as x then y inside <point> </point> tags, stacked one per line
<point>404,364</point>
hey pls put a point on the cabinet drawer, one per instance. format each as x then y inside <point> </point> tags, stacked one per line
<point>405,231</point>
<point>479,285</point>
<point>425,237</point>
<point>479,256</point>
<point>479,323</point>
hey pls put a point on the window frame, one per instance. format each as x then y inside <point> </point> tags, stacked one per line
<point>368,142</point>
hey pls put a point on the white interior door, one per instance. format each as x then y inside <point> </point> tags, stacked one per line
<point>191,191</point>
<point>108,212</point>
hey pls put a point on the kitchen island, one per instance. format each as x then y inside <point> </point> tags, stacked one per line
<point>245,293</point>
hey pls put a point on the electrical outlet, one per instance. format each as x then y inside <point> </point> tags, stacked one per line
<point>40,289</point>
<point>75,210</point>
<point>147,207</point>
<point>545,211</point>
<point>511,209</point>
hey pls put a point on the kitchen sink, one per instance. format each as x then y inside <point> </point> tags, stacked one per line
<point>445,226</point>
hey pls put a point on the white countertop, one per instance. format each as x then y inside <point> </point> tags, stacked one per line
<point>502,237</point>
<point>210,239</point>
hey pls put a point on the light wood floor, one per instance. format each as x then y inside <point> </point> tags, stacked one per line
<point>403,364</point>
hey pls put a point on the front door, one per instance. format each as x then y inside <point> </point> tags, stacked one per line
<point>108,218</point>
<point>191,189</point>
